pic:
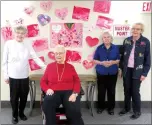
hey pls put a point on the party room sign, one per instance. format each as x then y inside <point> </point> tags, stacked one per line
<point>121,30</point>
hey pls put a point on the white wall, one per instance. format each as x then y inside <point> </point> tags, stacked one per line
<point>120,11</point>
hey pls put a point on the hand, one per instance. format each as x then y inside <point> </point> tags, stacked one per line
<point>7,81</point>
<point>105,63</point>
<point>72,98</point>
<point>142,78</point>
<point>49,92</point>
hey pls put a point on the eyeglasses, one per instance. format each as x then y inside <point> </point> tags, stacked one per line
<point>137,29</point>
<point>59,53</point>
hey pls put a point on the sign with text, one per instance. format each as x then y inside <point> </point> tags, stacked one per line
<point>146,7</point>
<point>121,30</point>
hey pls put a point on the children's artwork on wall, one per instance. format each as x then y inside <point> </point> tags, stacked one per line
<point>19,21</point>
<point>43,19</point>
<point>33,65</point>
<point>73,56</point>
<point>29,10</point>
<point>88,64</point>
<point>92,41</point>
<point>7,33</point>
<point>46,5</point>
<point>51,55</point>
<point>61,13</point>
<point>102,6</point>
<point>80,13</point>
<point>104,22</point>
<point>33,30</point>
<point>40,44</point>
<point>67,34</point>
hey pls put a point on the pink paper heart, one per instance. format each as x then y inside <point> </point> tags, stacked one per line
<point>61,13</point>
<point>51,55</point>
<point>46,5</point>
<point>29,10</point>
<point>92,41</point>
<point>88,64</point>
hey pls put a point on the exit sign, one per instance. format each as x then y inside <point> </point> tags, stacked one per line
<point>146,7</point>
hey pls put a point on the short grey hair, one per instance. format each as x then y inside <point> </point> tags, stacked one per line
<point>141,24</point>
<point>60,47</point>
<point>20,28</point>
<point>106,32</point>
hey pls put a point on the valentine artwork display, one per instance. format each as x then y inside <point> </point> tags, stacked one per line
<point>19,21</point>
<point>61,13</point>
<point>7,33</point>
<point>73,56</point>
<point>92,41</point>
<point>46,5</point>
<point>33,30</point>
<point>104,22</point>
<point>67,34</point>
<point>102,6</point>
<point>51,55</point>
<point>43,19</point>
<point>33,65</point>
<point>29,10</point>
<point>40,44</point>
<point>80,13</point>
<point>88,64</point>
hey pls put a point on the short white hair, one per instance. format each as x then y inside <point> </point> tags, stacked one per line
<point>20,28</point>
<point>59,47</point>
<point>106,32</point>
<point>141,24</point>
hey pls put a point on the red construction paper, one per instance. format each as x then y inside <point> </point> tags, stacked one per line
<point>73,56</point>
<point>80,13</point>
<point>33,30</point>
<point>51,55</point>
<point>102,6</point>
<point>88,64</point>
<point>92,41</point>
<point>33,65</point>
<point>40,44</point>
<point>104,22</point>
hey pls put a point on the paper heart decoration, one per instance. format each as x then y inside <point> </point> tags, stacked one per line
<point>92,41</point>
<point>29,10</point>
<point>56,28</point>
<point>19,21</point>
<point>61,13</point>
<point>73,56</point>
<point>46,5</point>
<point>43,19</point>
<point>88,64</point>
<point>51,55</point>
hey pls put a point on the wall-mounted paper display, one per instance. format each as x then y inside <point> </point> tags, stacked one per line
<point>80,13</point>
<point>102,6</point>
<point>104,22</point>
<point>33,30</point>
<point>88,64</point>
<point>7,33</point>
<point>146,7</point>
<point>61,13</point>
<point>121,30</point>
<point>92,41</point>
<point>67,34</point>
<point>73,56</point>
<point>29,10</point>
<point>33,65</point>
<point>43,19</point>
<point>46,5</point>
<point>51,55</point>
<point>19,21</point>
<point>40,44</point>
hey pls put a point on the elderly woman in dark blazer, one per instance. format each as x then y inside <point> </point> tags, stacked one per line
<point>107,59</point>
<point>135,64</point>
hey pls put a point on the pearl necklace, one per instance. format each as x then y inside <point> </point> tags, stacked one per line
<point>59,78</point>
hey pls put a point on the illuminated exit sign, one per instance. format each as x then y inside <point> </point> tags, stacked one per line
<point>146,7</point>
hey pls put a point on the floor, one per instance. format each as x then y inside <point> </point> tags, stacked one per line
<point>102,119</point>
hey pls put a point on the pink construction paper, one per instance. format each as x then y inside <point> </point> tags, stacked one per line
<point>40,44</point>
<point>104,22</point>
<point>61,34</point>
<point>102,6</point>
<point>29,10</point>
<point>33,65</point>
<point>88,64</point>
<point>7,33</point>
<point>33,30</point>
<point>81,13</point>
<point>51,55</point>
<point>46,5</point>
<point>73,56</point>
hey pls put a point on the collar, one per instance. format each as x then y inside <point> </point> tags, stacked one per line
<point>103,46</point>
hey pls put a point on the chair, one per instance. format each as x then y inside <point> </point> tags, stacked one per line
<point>60,112</point>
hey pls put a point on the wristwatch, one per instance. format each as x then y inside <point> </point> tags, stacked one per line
<point>76,94</point>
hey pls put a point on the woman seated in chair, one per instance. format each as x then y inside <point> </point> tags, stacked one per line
<point>61,85</point>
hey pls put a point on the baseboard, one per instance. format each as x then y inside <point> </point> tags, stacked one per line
<point>119,104</point>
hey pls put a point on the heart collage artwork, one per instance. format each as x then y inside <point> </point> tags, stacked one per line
<point>67,33</point>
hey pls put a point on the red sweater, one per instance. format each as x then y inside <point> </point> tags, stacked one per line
<point>69,80</point>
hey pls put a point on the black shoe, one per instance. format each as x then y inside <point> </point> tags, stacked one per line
<point>14,120</point>
<point>135,115</point>
<point>123,112</point>
<point>99,111</point>
<point>23,117</point>
<point>111,112</point>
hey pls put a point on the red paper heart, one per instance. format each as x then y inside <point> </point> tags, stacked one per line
<point>51,55</point>
<point>92,41</point>
<point>73,56</point>
<point>87,64</point>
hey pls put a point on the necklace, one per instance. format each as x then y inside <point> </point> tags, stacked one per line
<point>60,77</point>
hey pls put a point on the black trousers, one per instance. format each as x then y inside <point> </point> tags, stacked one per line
<point>19,89</point>
<point>72,109</point>
<point>132,90</point>
<point>106,83</point>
